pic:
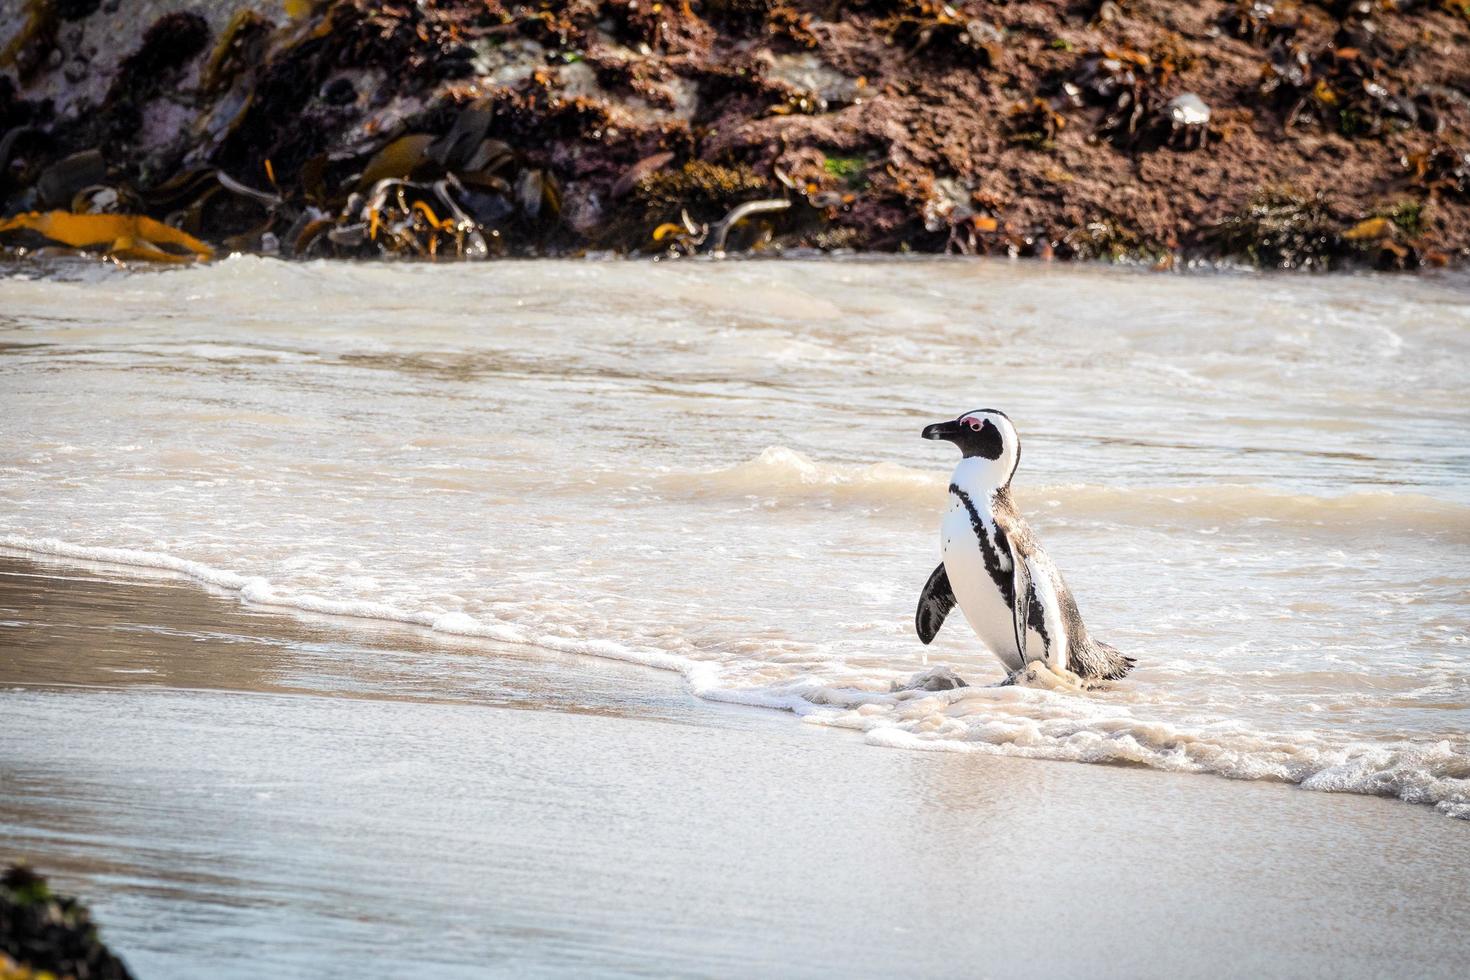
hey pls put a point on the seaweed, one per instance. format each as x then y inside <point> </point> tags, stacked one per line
<point>1343,89</point>
<point>940,31</point>
<point>69,176</point>
<point>1440,170</point>
<point>1282,228</point>
<point>1408,216</point>
<point>670,26</point>
<point>240,44</point>
<point>551,127</point>
<point>1264,22</point>
<point>704,191</point>
<point>744,17</point>
<point>1121,82</point>
<point>1035,123</point>
<point>124,236</point>
<point>1115,240</point>
<point>29,49</point>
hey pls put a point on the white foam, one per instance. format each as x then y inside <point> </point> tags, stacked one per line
<point>1047,717</point>
<point>1435,773</point>
<point>257,590</point>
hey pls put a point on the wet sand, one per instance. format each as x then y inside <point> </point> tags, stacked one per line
<point>242,792</point>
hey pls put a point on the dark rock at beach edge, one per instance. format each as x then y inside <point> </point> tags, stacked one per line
<point>43,933</point>
<point>1279,135</point>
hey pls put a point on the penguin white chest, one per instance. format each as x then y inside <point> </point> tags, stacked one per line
<point>975,590</point>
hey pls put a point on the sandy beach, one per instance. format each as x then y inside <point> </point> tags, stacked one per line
<point>243,792</point>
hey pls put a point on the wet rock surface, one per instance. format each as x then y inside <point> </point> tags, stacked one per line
<point>1283,134</point>
<point>45,934</point>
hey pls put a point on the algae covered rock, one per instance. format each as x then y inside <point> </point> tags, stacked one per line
<point>1136,131</point>
<point>45,933</point>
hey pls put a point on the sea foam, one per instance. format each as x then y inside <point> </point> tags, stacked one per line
<point>1043,720</point>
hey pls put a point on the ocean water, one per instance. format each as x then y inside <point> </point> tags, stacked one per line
<point>1257,486</point>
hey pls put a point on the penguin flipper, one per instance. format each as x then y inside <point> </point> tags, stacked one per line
<point>935,602</point>
<point>1020,599</point>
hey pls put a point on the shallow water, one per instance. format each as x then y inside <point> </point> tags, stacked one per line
<point>241,792</point>
<point>1256,486</point>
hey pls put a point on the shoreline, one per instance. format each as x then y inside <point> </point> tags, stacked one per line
<point>58,265</point>
<point>817,706</point>
<point>269,784</point>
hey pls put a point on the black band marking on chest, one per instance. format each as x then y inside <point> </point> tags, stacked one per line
<point>989,550</point>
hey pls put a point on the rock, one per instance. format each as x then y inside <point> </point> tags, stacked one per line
<point>50,934</point>
<point>933,679</point>
<point>597,123</point>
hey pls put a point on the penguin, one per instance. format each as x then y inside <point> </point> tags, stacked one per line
<point>995,570</point>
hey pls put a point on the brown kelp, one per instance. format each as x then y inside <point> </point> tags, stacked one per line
<point>123,236</point>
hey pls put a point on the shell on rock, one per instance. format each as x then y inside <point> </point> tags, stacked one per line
<point>1188,110</point>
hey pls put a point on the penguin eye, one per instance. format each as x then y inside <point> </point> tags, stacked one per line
<point>972,422</point>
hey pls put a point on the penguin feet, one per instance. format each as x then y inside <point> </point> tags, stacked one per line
<point>1039,674</point>
<point>933,679</point>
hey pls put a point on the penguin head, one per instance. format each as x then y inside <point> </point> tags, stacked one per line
<point>986,435</point>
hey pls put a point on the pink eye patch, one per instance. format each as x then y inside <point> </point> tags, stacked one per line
<point>972,422</point>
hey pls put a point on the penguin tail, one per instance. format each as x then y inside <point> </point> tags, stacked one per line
<point>1112,664</point>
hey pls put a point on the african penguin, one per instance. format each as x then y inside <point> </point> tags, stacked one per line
<point>1007,587</point>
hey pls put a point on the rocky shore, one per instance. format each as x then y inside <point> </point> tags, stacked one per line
<point>1281,134</point>
<point>43,934</point>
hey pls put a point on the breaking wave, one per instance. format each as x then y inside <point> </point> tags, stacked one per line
<point>1061,726</point>
<point>783,476</point>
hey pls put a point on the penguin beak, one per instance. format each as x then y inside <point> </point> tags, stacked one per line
<point>948,431</point>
